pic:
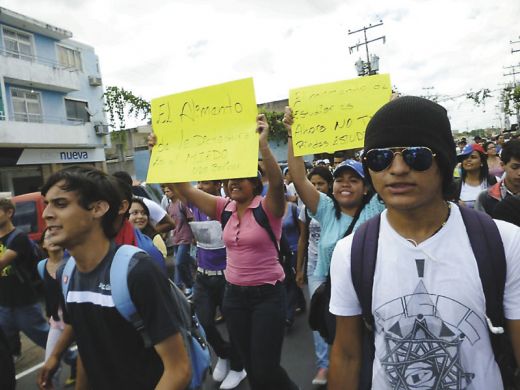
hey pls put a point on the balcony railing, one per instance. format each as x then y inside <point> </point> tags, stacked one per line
<point>37,59</point>
<point>32,118</point>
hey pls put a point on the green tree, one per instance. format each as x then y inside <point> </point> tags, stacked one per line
<point>121,104</point>
<point>277,132</point>
<point>511,99</point>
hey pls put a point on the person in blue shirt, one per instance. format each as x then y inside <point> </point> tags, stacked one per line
<point>350,195</point>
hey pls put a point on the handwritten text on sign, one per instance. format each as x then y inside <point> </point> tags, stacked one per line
<point>205,134</point>
<point>334,116</point>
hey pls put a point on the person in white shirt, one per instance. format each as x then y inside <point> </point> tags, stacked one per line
<point>429,309</point>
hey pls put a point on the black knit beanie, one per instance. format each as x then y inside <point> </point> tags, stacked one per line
<point>414,121</point>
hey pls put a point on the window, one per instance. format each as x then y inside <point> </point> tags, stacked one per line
<point>18,44</point>
<point>26,217</point>
<point>26,105</point>
<point>69,58</point>
<point>77,111</point>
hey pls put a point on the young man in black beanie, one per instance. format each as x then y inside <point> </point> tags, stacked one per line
<point>430,328</point>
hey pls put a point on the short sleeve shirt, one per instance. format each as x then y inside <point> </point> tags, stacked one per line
<point>252,258</point>
<point>428,305</point>
<point>181,214</point>
<point>333,229</point>
<point>112,351</point>
<point>15,283</point>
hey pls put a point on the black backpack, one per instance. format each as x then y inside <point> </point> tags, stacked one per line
<point>488,249</point>
<point>283,250</point>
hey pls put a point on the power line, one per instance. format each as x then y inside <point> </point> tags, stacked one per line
<point>369,67</point>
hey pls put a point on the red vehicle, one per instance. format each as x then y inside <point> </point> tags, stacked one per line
<point>28,214</point>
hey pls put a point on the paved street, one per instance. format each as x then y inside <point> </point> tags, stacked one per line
<point>297,358</point>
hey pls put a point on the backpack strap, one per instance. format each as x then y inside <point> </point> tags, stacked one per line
<point>66,277</point>
<point>120,292</point>
<point>41,268</point>
<point>262,219</point>
<point>12,236</point>
<point>488,249</point>
<point>363,264</point>
<point>224,217</point>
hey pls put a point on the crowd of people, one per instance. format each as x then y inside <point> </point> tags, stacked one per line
<point>390,231</point>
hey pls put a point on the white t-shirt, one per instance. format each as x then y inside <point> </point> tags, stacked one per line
<point>469,194</point>
<point>314,239</point>
<point>429,307</point>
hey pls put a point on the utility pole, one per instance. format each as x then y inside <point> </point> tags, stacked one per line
<point>371,66</point>
<point>512,43</point>
<point>513,73</point>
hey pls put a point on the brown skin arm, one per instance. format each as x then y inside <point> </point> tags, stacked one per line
<point>81,376</point>
<point>513,326</point>
<point>306,191</point>
<point>7,258</point>
<point>205,202</point>
<point>165,225</point>
<point>177,368</point>
<point>346,354</point>
<point>300,255</point>
<point>275,197</point>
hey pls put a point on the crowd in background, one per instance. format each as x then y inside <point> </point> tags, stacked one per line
<point>243,249</point>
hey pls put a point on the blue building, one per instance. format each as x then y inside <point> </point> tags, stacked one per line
<point>51,103</point>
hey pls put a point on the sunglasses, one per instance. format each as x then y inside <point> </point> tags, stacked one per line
<point>418,158</point>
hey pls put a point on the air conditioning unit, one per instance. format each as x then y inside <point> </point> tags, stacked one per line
<point>94,81</point>
<point>101,129</point>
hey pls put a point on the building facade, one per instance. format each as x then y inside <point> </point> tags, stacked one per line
<point>51,103</point>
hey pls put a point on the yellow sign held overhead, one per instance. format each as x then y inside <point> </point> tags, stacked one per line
<point>333,116</point>
<point>205,134</point>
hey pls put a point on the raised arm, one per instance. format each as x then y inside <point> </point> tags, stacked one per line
<point>300,254</point>
<point>275,198</point>
<point>205,202</point>
<point>306,191</point>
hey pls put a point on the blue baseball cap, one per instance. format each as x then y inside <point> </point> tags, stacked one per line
<point>468,149</point>
<point>356,166</point>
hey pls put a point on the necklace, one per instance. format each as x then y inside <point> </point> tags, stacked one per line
<point>438,229</point>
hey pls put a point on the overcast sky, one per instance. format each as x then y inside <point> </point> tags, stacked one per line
<point>155,48</point>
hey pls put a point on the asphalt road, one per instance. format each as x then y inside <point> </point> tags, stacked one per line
<point>297,359</point>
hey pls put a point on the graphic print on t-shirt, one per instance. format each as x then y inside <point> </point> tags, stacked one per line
<point>422,348</point>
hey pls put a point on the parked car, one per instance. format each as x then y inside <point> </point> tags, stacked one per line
<point>28,214</point>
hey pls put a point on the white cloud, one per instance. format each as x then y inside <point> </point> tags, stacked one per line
<point>156,48</point>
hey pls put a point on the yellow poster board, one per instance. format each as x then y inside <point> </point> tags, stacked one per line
<point>333,116</point>
<point>205,134</point>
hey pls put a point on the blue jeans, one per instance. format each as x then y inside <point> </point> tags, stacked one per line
<point>183,274</point>
<point>321,348</point>
<point>255,316</point>
<point>28,319</point>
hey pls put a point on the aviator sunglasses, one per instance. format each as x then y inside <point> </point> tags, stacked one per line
<point>418,158</point>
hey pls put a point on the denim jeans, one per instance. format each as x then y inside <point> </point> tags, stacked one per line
<point>183,274</point>
<point>255,316</point>
<point>28,319</point>
<point>208,293</point>
<point>321,348</point>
